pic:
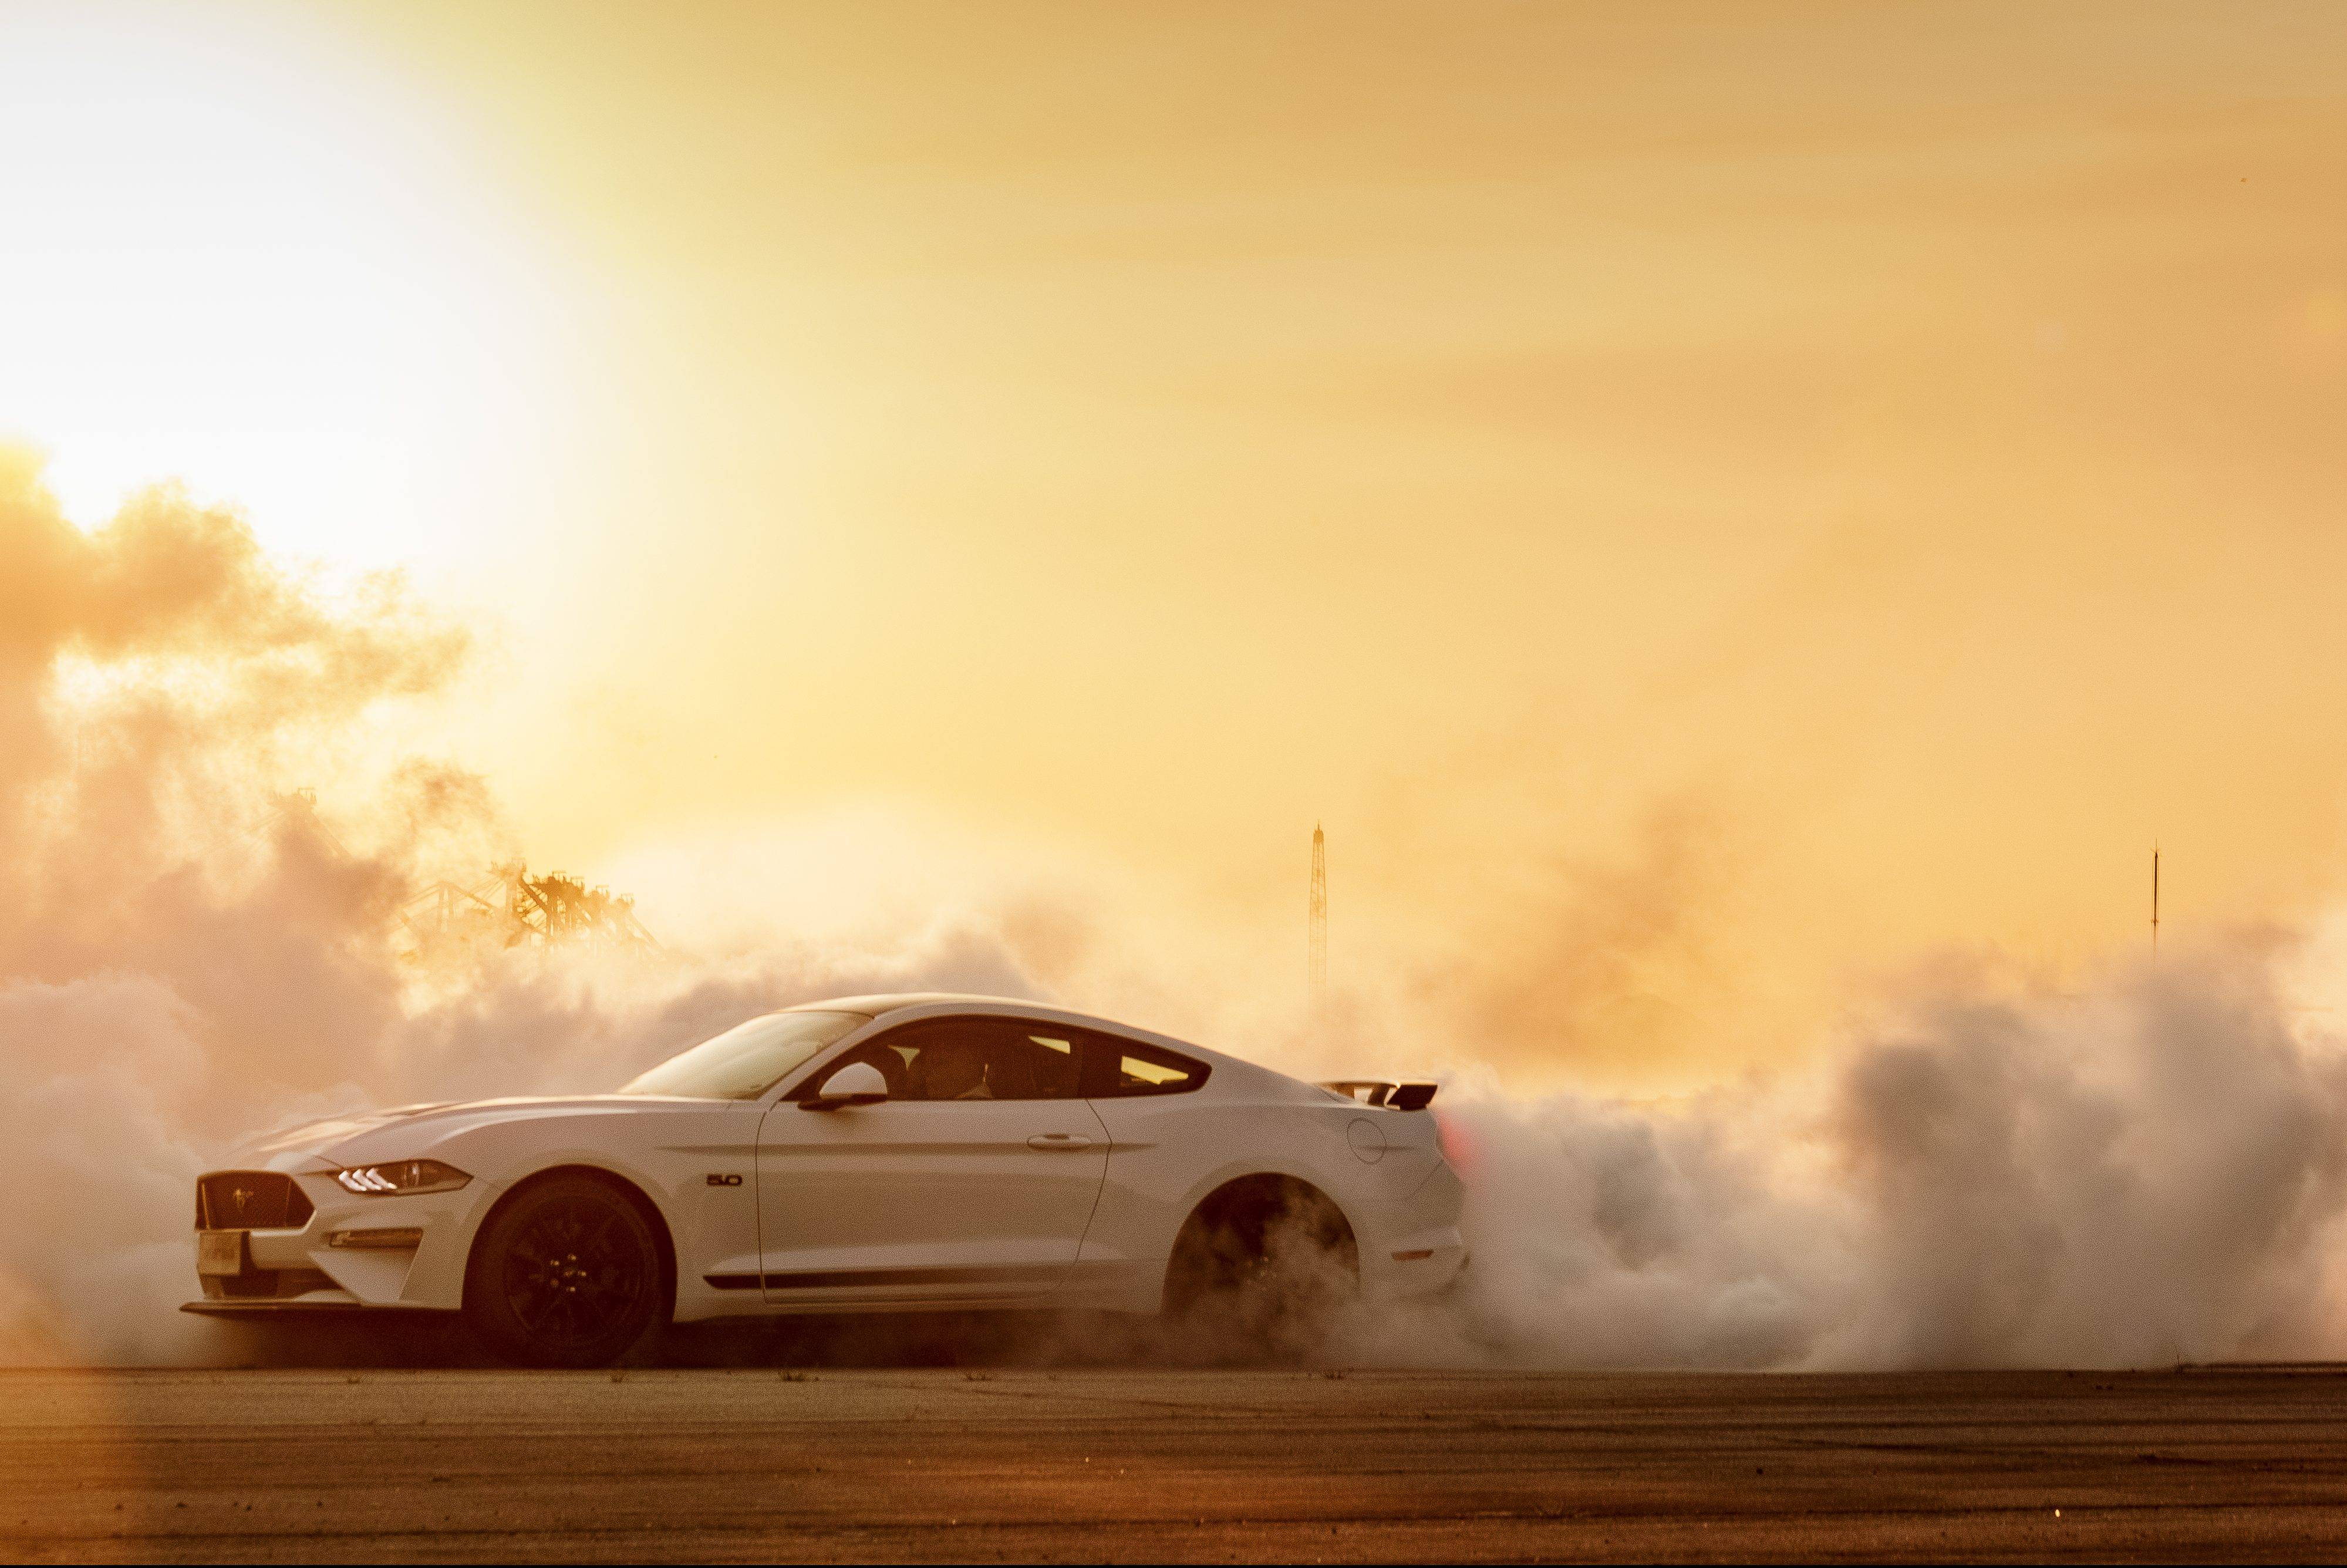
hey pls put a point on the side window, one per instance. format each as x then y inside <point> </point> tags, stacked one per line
<point>978,1059</point>
<point>1034,1062</point>
<point>1119,1069</point>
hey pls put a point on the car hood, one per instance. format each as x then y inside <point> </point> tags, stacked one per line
<point>414,1131</point>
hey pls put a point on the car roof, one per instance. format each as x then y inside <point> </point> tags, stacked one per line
<point>882,1005</point>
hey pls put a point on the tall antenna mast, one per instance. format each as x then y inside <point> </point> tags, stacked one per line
<point>1319,921</point>
<point>2155,900</point>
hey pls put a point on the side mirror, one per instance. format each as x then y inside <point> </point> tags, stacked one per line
<point>858,1083</point>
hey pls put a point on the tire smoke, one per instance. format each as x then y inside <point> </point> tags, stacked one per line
<point>2153,1171</point>
<point>2153,1174</point>
<point>182,967</point>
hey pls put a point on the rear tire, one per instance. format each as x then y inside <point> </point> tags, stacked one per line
<point>1263,1271</point>
<point>567,1273</point>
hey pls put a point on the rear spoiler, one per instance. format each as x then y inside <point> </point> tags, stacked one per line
<point>1405,1094</point>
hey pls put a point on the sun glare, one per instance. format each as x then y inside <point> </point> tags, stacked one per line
<point>245,264</point>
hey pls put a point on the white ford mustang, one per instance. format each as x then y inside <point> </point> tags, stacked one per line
<point>874,1154</point>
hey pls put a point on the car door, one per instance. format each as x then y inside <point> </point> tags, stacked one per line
<point>972,1181</point>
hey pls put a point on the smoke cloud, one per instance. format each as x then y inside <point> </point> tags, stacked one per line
<point>2153,1171</point>
<point>184,963</point>
<point>2146,1174</point>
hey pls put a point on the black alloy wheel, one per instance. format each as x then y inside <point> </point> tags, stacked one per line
<point>565,1275</point>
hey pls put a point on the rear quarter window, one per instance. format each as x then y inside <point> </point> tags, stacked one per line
<point>1124,1070</point>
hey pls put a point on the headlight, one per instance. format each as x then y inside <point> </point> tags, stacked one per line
<point>403,1176</point>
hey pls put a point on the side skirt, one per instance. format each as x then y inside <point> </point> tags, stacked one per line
<point>1039,1275</point>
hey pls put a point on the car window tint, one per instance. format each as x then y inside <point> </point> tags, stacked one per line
<point>981,1058</point>
<point>1059,1070</point>
<point>1122,1069</point>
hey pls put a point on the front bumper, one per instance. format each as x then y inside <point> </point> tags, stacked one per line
<point>300,1268</point>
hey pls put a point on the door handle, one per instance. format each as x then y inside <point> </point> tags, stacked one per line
<point>1048,1141</point>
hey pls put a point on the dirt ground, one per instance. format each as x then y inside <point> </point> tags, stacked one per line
<point>767,1463</point>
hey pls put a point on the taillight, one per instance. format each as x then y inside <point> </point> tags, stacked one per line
<point>1458,1145</point>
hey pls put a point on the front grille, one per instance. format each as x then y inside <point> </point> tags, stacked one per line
<point>249,1201</point>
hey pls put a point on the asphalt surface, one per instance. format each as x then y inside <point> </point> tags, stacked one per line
<point>766,1463</point>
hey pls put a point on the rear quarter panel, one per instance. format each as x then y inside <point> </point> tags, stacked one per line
<point>1167,1153</point>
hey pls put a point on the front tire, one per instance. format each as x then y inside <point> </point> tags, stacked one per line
<point>566,1275</point>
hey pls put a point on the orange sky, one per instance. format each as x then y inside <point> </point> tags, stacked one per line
<point>1752,494</point>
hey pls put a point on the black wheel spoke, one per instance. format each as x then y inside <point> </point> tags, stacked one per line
<point>530,1307</point>
<point>575,1273</point>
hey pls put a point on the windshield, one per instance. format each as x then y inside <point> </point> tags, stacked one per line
<point>748,1059</point>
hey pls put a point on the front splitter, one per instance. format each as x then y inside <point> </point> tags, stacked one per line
<point>208,1308</point>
